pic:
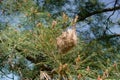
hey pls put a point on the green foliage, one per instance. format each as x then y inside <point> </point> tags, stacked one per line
<point>30,53</point>
<point>19,6</point>
<point>39,47</point>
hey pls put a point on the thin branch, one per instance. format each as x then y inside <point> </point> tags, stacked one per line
<point>113,10</point>
<point>108,37</point>
<point>109,3</point>
<point>107,21</point>
<point>5,74</point>
<point>97,12</point>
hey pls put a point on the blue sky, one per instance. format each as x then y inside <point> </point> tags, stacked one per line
<point>115,17</point>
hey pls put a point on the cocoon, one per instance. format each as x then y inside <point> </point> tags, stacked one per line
<point>67,40</point>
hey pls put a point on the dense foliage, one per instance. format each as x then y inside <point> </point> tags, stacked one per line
<point>28,50</point>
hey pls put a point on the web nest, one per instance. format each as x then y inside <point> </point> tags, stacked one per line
<point>67,40</point>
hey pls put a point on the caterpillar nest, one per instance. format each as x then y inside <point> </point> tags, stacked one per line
<point>66,41</point>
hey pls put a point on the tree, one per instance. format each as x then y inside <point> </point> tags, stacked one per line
<point>29,50</point>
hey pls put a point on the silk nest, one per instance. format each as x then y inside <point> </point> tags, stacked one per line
<point>67,40</point>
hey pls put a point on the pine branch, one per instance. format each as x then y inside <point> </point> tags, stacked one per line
<point>97,12</point>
